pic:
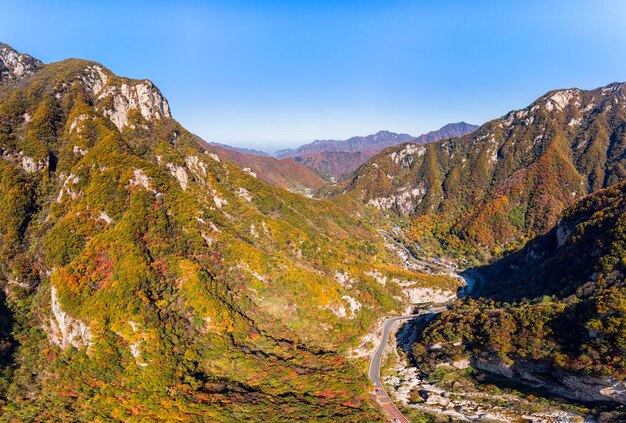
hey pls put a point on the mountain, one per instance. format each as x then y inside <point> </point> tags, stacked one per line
<point>332,165</point>
<point>241,150</point>
<point>15,66</point>
<point>587,244</point>
<point>375,142</point>
<point>145,278</point>
<point>559,316</point>
<point>507,181</point>
<point>447,131</point>
<point>335,160</point>
<point>283,173</point>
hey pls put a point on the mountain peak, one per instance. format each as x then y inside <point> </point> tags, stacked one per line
<point>126,95</point>
<point>449,130</point>
<point>115,96</point>
<point>15,66</point>
<point>566,144</point>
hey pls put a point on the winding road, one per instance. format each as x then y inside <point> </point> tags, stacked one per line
<point>382,398</point>
<point>374,372</point>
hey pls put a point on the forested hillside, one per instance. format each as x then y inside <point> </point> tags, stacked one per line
<point>283,173</point>
<point>144,278</point>
<point>508,181</point>
<point>553,314</point>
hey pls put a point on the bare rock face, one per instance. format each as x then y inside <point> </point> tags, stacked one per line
<point>15,66</point>
<point>402,201</point>
<point>144,96</point>
<point>64,330</point>
<point>116,96</point>
<point>578,387</point>
<point>180,174</point>
<point>94,78</point>
<point>27,163</point>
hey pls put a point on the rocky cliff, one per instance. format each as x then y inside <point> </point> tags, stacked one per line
<point>575,386</point>
<point>15,66</point>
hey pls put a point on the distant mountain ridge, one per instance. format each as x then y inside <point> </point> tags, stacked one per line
<point>447,131</point>
<point>242,150</point>
<point>335,160</point>
<point>283,173</point>
<point>381,139</point>
<point>331,160</point>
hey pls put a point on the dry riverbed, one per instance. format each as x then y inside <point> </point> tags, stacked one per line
<point>454,393</point>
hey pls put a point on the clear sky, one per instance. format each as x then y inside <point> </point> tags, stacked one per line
<point>270,74</point>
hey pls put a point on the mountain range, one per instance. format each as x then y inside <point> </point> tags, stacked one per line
<point>335,160</point>
<point>509,180</point>
<point>330,160</point>
<point>147,278</point>
<point>377,141</point>
<point>148,275</point>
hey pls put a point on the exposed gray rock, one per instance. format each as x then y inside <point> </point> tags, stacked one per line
<point>562,383</point>
<point>133,95</point>
<point>180,174</point>
<point>15,66</point>
<point>27,163</point>
<point>64,329</point>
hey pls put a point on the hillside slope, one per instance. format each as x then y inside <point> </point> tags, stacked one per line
<point>333,165</point>
<point>510,179</point>
<point>242,150</point>
<point>563,325</point>
<point>145,278</point>
<point>283,173</point>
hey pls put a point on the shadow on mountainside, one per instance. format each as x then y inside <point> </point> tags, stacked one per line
<point>544,266</point>
<point>7,343</point>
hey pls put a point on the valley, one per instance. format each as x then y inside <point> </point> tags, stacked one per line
<point>460,390</point>
<point>468,274</point>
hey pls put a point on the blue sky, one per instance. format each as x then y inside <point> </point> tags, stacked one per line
<point>270,74</point>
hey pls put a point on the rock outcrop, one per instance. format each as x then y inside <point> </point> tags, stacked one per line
<point>15,66</point>
<point>116,97</point>
<point>144,96</point>
<point>64,330</point>
<point>579,387</point>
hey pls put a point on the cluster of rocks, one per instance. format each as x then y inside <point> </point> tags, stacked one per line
<point>411,388</point>
<point>15,66</point>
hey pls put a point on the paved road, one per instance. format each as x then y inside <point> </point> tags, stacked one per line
<point>382,398</point>
<point>374,373</point>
